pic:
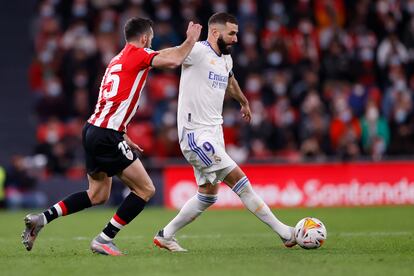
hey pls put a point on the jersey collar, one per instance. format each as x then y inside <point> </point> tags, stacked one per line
<point>209,45</point>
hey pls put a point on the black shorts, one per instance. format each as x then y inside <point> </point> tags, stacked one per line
<point>106,150</point>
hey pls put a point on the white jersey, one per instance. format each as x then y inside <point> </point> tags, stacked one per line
<point>203,83</point>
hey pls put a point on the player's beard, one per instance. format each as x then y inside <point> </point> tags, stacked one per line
<point>224,48</point>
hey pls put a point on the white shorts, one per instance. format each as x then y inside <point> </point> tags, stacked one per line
<point>204,149</point>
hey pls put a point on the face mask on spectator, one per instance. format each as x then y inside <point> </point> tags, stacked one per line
<point>345,116</point>
<point>45,57</point>
<point>81,80</point>
<point>279,89</point>
<point>257,119</point>
<point>372,114</point>
<point>164,13</point>
<point>229,119</point>
<point>80,30</point>
<point>410,7</point>
<point>249,39</point>
<point>219,7</point>
<point>382,7</point>
<point>274,58</point>
<point>52,137</point>
<point>400,115</point>
<point>79,10</point>
<point>400,85</point>
<point>277,8</point>
<point>358,90</point>
<point>246,7</point>
<point>107,26</point>
<point>288,118</point>
<point>53,88</point>
<point>305,27</point>
<point>47,11</point>
<point>273,25</point>
<point>367,54</point>
<point>253,85</point>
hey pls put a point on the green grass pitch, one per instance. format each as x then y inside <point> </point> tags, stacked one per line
<point>361,241</point>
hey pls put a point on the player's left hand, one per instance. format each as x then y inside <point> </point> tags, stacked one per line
<point>246,113</point>
<point>132,145</point>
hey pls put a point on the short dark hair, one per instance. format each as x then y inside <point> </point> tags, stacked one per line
<point>222,18</point>
<point>136,27</point>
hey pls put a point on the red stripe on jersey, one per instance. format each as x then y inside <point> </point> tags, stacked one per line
<point>119,220</point>
<point>134,100</point>
<point>111,112</point>
<point>101,105</point>
<point>63,207</point>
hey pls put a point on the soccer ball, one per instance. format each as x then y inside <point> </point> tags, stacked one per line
<point>310,233</point>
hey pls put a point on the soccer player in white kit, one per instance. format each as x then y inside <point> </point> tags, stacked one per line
<point>206,76</point>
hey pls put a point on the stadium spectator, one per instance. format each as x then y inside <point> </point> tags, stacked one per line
<point>365,48</point>
<point>20,185</point>
<point>375,135</point>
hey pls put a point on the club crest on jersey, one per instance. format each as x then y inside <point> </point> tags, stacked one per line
<point>217,158</point>
<point>126,150</point>
<point>148,50</point>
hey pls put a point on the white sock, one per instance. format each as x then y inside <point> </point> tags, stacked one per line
<point>259,208</point>
<point>190,211</point>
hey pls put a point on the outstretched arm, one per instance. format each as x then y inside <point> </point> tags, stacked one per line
<point>233,89</point>
<point>174,56</point>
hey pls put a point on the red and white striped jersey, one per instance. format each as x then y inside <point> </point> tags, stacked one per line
<point>121,87</point>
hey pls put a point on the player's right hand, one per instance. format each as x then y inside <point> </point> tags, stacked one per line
<point>193,31</point>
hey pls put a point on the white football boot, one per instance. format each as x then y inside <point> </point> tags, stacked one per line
<point>170,244</point>
<point>292,241</point>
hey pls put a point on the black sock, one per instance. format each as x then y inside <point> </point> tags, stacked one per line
<point>72,204</point>
<point>129,209</point>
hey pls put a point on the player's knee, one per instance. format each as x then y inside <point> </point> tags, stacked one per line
<point>150,190</point>
<point>98,198</point>
<point>146,190</point>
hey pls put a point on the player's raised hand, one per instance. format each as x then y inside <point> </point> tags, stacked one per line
<point>193,31</point>
<point>246,113</point>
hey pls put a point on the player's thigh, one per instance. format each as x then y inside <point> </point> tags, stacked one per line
<point>99,187</point>
<point>106,151</point>
<point>137,179</point>
<point>204,150</point>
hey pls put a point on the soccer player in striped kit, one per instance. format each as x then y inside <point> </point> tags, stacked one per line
<point>107,147</point>
<point>206,75</point>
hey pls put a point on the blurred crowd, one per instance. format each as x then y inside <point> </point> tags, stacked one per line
<point>326,79</point>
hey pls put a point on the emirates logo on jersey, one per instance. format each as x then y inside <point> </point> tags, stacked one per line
<point>126,150</point>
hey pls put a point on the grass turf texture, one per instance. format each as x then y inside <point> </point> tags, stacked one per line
<point>361,241</point>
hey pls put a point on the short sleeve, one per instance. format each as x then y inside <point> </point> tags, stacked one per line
<point>142,58</point>
<point>229,64</point>
<point>195,54</point>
